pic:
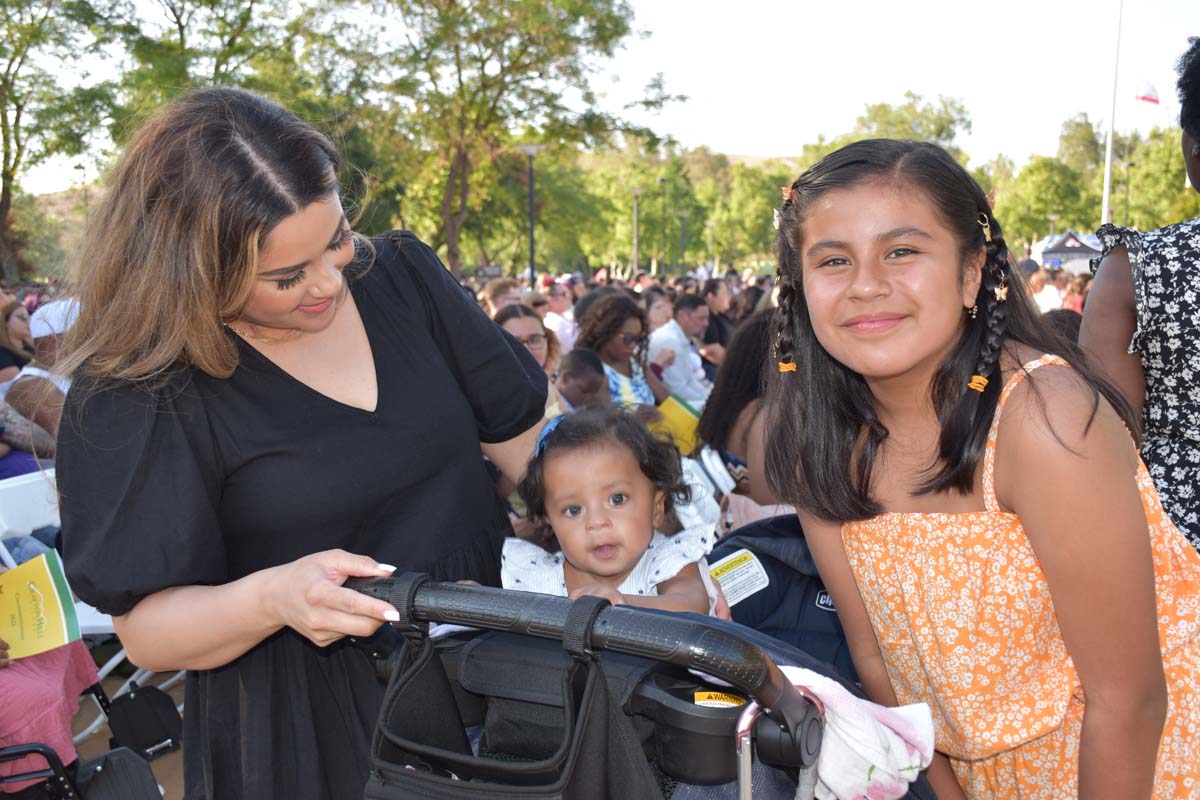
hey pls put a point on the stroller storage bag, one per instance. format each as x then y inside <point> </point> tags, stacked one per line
<point>501,715</point>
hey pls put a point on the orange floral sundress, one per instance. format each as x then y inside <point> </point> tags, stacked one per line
<point>964,620</point>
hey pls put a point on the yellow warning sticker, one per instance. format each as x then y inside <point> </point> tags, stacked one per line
<point>717,700</point>
<point>727,565</point>
<point>740,574</point>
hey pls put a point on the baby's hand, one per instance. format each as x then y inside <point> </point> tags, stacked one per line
<point>599,590</point>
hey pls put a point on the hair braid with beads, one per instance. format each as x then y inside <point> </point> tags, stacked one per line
<point>823,427</point>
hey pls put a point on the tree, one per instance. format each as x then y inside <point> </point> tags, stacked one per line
<point>196,43</point>
<point>996,176</point>
<point>1044,187</point>
<point>1081,146</point>
<point>938,122</point>
<point>742,223</point>
<point>40,237</point>
<point>39,116</point>
<point>1157,188</point>
<point>487,68</point>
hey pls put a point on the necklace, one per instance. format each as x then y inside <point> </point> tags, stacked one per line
<point>253,337</point>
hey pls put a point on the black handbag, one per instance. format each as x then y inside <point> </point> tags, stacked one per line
<point>568,747</point>
<point>145,720</point>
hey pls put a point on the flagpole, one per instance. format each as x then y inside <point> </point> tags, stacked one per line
<point>1106,211</point>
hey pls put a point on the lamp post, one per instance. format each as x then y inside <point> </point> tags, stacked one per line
<point>1053,219</point>
<point>531,150</point>
<point>662,185</point>
<point>1105,207</point>
<point>637,252</point>
<point>711,227</point>
<point>683,215</point>
<point>1128,179</point>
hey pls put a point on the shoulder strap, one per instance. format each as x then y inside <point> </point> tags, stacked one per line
<point>989,452</point>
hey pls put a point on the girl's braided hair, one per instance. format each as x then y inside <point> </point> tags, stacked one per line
<point>824,430</point>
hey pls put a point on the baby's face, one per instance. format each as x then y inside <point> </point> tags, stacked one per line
<point>602,508</point>
<point>590,389</point>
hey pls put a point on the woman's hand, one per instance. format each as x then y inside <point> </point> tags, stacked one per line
<point>307,596</point>
<point>599,590</point>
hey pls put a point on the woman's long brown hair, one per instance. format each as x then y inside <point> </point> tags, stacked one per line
<point>172,250</point>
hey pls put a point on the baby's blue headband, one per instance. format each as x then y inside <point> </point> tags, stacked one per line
<point>546,431</point>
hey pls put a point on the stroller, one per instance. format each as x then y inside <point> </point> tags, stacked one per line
<point>119,774</point>
<point>619,703</point>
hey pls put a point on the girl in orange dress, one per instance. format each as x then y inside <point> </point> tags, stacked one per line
<point>972,494</point>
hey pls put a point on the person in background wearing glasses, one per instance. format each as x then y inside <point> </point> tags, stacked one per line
<point>615,328</point>
<point>16,346</point>
<point>559,317</point>
<point>526,326</point>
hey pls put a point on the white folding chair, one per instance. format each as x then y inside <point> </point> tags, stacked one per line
<point>27,502</point>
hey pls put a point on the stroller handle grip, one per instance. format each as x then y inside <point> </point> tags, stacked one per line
<point>678,641</point>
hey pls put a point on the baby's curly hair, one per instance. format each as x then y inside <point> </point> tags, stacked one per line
<point>658,459</point>
<point>1189,88</point>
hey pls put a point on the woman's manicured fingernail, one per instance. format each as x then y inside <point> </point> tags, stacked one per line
<point>386,568</point>
<point>391,615</point>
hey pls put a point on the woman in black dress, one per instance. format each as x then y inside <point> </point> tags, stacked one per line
<point>265,405</point>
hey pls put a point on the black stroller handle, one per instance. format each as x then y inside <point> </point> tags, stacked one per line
<point>682,642</point>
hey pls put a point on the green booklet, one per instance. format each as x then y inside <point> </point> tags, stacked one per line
<point>37,612</point>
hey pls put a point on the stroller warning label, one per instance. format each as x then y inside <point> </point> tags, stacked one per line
<point>717,700</point>
<point>740,574</point>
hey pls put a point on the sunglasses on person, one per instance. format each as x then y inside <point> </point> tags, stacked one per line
<point>539,303</point>
<point>631,339</point>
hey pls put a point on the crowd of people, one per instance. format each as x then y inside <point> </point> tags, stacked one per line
<point>994,465</point>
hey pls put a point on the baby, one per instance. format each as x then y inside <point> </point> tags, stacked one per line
<point>598,487</point>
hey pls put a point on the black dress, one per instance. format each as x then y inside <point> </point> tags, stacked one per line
<point>719,331</point>
<point>9,358</point>
<point>204,481</point>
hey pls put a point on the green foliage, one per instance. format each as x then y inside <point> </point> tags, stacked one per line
<point>1158,191</point>
<point>428,101</point>
<point>1044,188</point>
<point>483,68</point>
<point>194,43</point>
<point>39,116</point>
<point>39,237</point>
<point>1081,146</point>
<point>938,122</point>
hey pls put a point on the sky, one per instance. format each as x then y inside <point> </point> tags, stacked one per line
<point>764,77</point>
